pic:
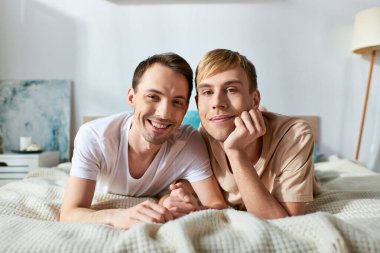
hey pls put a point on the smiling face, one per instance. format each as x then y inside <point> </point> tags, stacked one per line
<point>222,97</point>
<point>159,102</point>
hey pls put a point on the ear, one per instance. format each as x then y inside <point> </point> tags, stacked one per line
<point>255,96</point>
<point>131,97</point>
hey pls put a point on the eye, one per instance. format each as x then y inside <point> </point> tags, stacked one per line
<point>152,97</point>
<point>179,103</point>
<point>231,90</point>
<point>206,92</point>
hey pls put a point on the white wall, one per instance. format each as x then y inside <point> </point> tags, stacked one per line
<point>301,49</point>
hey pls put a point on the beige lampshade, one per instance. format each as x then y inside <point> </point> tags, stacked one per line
<point>367,31</point>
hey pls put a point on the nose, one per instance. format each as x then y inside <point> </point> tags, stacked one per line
<point>164,110</point>
<point>219,101</point>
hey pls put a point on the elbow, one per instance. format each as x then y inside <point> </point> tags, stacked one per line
<point>221,206</point>
<point>64,215</point>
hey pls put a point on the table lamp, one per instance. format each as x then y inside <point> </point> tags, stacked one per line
<point>366,41</point>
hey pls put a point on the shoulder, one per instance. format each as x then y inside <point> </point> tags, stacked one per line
<point>104,122</point>
<point>106,126</point>
<point>287,127</point>
<point>290,143</point>
<point>98,139</point>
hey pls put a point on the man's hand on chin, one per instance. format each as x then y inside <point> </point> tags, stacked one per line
<point>249,127</point>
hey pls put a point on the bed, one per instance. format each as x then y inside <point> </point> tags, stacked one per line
<point>344,217</point>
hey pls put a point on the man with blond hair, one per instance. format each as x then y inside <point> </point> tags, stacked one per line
<point>262,160</point>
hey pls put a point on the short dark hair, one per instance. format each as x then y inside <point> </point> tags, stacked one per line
<point>170,60</point>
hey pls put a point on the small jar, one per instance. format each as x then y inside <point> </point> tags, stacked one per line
<point>1,140</point>
<point>1,144</point>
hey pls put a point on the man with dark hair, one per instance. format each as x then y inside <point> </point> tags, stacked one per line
<point>141,154</point>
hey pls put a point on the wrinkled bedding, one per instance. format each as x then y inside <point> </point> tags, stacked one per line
<point>344,217</point>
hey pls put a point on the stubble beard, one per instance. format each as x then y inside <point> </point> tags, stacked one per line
<point>154,140</point>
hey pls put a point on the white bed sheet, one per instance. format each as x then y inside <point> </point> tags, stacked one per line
<point>344,217</point>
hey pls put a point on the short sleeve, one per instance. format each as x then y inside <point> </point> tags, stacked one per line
<point>294,182</point>
<point>195,155</point>
<point>87,156</point>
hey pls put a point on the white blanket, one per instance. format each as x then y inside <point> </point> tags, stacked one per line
<point>344,217</point>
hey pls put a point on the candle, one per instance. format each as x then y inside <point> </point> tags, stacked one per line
<point>25,142</point>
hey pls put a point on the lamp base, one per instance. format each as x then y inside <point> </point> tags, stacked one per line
<point>365,105</point>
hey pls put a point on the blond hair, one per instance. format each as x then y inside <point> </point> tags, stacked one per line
<point>219,60</point>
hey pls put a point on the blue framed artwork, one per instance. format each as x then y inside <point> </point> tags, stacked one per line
<point>40,109</point>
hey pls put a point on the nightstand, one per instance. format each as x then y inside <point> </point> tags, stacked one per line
<point>20,164</point>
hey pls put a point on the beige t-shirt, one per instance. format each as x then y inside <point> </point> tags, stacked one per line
<point>285,166</point>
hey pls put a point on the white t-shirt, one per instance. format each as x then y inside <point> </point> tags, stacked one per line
<point>101,154</point>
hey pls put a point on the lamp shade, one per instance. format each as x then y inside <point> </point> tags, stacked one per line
<point>367,31</point>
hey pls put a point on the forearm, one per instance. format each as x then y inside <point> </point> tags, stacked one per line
<point>209,194</point>
<point>87,215</point>
<point>255,195</point>
<point>215,203</point>
<point>147,211</point>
